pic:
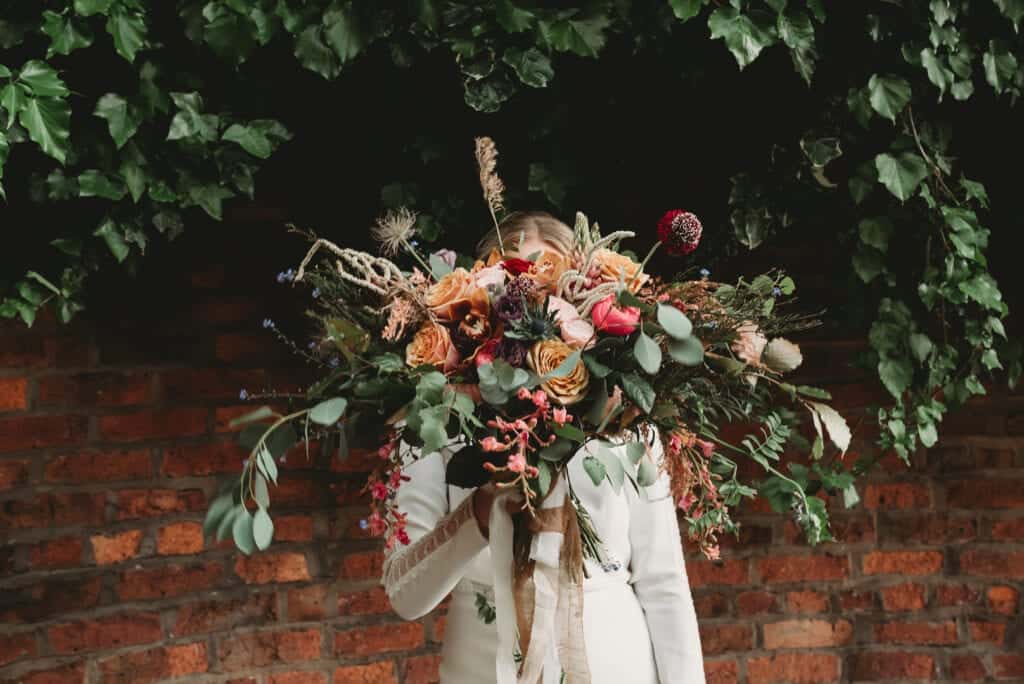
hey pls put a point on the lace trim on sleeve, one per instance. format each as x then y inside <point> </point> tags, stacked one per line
<point>402,565</point>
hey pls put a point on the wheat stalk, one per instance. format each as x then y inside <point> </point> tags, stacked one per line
<point>491,184</point>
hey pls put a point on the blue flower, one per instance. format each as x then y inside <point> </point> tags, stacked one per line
<point>704,273</point>
<point>776,292</point>
<point>312,345</point>
<point>316,292</point>
<point>267,323</point>
<point>243,395</point>
<point>333,363</point>
<point>363,524</point>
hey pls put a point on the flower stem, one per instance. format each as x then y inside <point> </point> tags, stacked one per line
<point>416,255</point>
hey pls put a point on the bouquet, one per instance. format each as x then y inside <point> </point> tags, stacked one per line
<point>521,359</point>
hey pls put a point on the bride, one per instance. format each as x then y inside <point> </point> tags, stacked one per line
<point>639,623</point>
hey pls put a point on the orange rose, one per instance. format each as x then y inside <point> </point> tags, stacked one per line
<point>432,346</point>
<point>608,266</point>
<point>454,295</point>
<point>547,269</point>
<point>546,356</point>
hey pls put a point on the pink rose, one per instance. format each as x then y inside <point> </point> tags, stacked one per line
<point>575,330</point>
<point>613,319</point>
<point>490,276</point>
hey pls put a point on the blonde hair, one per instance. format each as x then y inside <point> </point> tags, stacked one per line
<point>519,223</point>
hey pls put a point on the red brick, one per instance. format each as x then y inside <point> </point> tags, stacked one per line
<point>727,638</point>
<point>13,473</point>
<point>926,529</point>
<point>896,496</point>
<point>703,573</point>
<point>902,562</point>
<point>178,539</point>
<point>977,494</point>
<point>955,595</point>
<point>168,580</point>
<point>372,601</point>
<point>873,666</point>
<point>20,351</point>
<point>259,649</point>
<point>925,633</point>
<point>272,567</point>
<point>903,597</point>
<point>987,632</point>
<point>806,634</point>
<point>296,528</point>
<point>1003,565</point>
<point>212,458</point>
<point>850,529</point>
<point>152,503</point>
<point>298,678</point>
<point>107,632</point>
<point>244,348</point>
<point>966,668</point>
<point>216,616</point>
<point>66,674</point>
<point>16,646</point>
<point>802,568</point>
<point>721,672</point>
<point>755,603</point>
<point>1003,600</point>
<point>795,668</point>
<point>807,601</point>
<point>54,510</point>
<point>95,389</point>
<point>13,394</point>
<point>374,639</point>
<point>1008,667</point>
<point>116,548</point>
<point>49,598</point>
<point>65,552</point>
<point>856,600</point>
<point>158,664</point>
<point>711,605</point>
<point>382,672</point>
<point>363,565</point>
<point>307,603</point>
<point>1001,529</point>
<point>39,432</point>
<point>191,384</point>
<point>100,466</point>
<point>156,424</point>
<point>422,670</point>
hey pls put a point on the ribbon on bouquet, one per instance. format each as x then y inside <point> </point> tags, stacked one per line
<point>539,606</point>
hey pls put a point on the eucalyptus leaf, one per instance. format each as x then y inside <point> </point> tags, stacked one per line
<point>647,353</point>
<point>595,469</point>
<point>262,529</point>
<point>328,412</point>
<point>674,322</point>
<point>242,531</point>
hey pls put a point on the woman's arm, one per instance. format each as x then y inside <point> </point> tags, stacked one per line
<point>418,577</point>
<point>659,579</point>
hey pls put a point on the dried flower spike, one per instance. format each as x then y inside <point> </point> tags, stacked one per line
<point>490,183</point>
<point>394,229</point>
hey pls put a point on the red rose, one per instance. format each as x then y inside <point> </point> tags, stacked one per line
<point>516,266</point>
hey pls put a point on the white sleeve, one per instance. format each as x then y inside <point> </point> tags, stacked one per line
<point>659,579</point>
<point>417,577</point>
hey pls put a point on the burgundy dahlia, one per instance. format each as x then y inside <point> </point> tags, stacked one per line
<point>679,231</point>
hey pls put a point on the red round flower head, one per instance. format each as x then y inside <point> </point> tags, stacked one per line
<point>515,266</point>
<point>679,231</point>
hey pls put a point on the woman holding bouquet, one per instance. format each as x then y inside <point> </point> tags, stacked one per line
<point>639,624</point>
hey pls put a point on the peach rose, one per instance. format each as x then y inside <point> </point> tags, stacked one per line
<point>576,331</point>
<point>547,269</point>
<point>608,266</point>
<point>432,346</point>
<point>749,343</point>
<point>454,295</point>
<point>547,355</point>
<point>489,276</point>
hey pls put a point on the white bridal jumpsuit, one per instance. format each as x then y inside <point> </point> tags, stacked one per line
<point>639,622</point>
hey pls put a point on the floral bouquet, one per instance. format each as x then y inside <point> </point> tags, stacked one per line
<point>521,359</point>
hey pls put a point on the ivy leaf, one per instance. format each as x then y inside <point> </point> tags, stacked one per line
<point>868,264</point>
<point>343,33</point>
<point>262,529</point>
<point>975,191</point>
<point>1000,66</point>
<point>253,141</point>
<point>647,353</point>
<point>876,232</point>
<point>685,9</point>
<point>901,175</point>
<point>87,8</point>
<point>512,18</point>
<point>938,73</point>
<point>128,30</point>
<point>135,179</point>
<point>12,98</point>
<point>962,90</point>
<point>744,38</point>
<point>888,95</point>
<point>47,121</point>
<point>896,375</point>
<point>114,239</point>
<point>189,121</point>
<point>487,94</point>
<point>639,391</point>
<point>858,101</point>
<point>531,66</point>
<point>921,346</point>
<point>121,121</point>
<point>65,34</point>
<point>42,80</point>
<point>210,198</point>
<point>315,55</point>
<point>93,183</point>
<point>583,35</point>
<point>797,32</point>
<point>1012,10</point>
<point>983,289</point>
<point>750,225</point>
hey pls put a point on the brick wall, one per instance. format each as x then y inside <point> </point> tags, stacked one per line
<point>113,439</point>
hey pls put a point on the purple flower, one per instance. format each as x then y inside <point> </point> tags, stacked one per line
<point>509,308</point>
<point>513,351</point>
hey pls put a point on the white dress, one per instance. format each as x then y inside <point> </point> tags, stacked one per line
<point>639,621</point>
